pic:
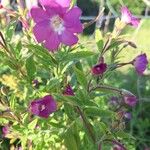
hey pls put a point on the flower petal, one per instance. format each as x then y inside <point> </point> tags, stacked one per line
<point>50,102</point>
<point>140,63</point>
<point>130,100</point>
<point>68,38</point>
<point>43,107</point>
<point>38,14</point>
<point>126,15</point>
<point>52,42</point>
<point>72,21</point>
<point>62,3</point>
<point>135,21</point>
<point>42,30</point>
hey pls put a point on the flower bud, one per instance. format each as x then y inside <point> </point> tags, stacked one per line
<point>5,130</point>
<point>140,63</point>
<point>68,91</point>
<point>99,69</point>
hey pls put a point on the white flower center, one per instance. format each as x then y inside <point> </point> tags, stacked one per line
<point>42,107</point>
<point>57,24</point>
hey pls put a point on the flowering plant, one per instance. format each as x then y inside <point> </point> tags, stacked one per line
<point>60,96</point>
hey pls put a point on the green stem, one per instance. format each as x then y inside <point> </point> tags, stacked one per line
<point>106,88</point>
<point>86,124</point>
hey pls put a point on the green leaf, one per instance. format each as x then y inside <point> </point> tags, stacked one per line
<point>12,102</point>
<point>2,54</point>
<point>33,124</point>
<point>95,111</point>
<point>69,110</point>
<point>31,68</point>
<point>52,84</point>
<point>79,55</point>
<point>74,2</point>
<point>18,48</point>
<point>72,100</point>
<point>10,63</point>
<point>40,51</point>
<point>80,77</point>
<point>99,39</point>
<point>124,135</point>
<point>70,141</point>
<point>10,30</point>
<point>24,142</point>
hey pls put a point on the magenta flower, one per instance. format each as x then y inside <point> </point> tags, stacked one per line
<point>99,69</point>
<point>56,23</point>
<point>68,91</point>
<point>130,100</point>
<point>43,107</point>
<point>135,22</point>
<point>5,130</point>
<point>128,18</point>
<point>140,63</point>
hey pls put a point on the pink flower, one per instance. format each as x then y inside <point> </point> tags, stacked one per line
<point>135,22</point>
<point>43,107</point>
<point>56,23</point>
<point>140,63</point>
<point>99,69</point>
<point>130,100</point>
<point>68,91</point>
<point>5,130</point>
<point>128,18</point>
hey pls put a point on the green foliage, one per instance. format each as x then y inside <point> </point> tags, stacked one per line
<point>83,121</point>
